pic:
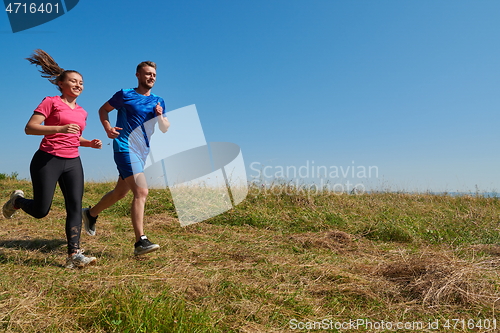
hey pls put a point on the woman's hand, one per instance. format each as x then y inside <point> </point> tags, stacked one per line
<point>96,143</point>
<point>70,128</point>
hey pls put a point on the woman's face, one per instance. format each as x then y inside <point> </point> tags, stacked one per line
<point>72,85</point>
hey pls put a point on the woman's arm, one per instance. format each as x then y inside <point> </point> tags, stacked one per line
<point>35,127</point>
<point>96,143</point>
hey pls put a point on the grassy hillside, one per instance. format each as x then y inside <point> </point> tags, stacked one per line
<point>281,261</point>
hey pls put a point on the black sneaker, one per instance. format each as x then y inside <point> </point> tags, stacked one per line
<point>89,221</point>
<point>144,246</point>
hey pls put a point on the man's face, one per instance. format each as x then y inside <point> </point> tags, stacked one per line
<point>146,77</point>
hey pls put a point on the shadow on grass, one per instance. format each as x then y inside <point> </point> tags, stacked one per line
<point>39,244</point>
<point>35,245</point>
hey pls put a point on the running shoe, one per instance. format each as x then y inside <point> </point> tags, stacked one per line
<point>144,246</point>
<point>8,208</point>
<point>78,260</point>
<point>89,221</point>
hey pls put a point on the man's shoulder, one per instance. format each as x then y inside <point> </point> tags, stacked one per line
<point>124,94</point>
<point>156,96</point>
<point>127,91</point>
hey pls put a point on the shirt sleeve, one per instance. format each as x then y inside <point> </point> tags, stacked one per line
<point>117,100</point>
<point>45,107</point>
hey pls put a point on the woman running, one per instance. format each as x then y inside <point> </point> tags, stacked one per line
<point>57,160</point>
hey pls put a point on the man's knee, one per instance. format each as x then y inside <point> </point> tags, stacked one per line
<point>141,192</point>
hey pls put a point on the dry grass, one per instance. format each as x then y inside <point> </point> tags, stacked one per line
<point>392,257</point>
<point>436,279</point>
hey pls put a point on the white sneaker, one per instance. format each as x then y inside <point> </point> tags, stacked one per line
<point>78,260</point>
<point>8,208</point>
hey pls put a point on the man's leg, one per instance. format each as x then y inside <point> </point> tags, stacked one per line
<point>137,184</point>
<point>119,192</point>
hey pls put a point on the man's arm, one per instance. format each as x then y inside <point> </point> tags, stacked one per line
<point>163,122</point>
<point>111,131</point>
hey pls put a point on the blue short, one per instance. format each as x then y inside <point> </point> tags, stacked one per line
<point>129,164</point>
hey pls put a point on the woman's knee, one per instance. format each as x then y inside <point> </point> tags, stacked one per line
<point>40,214</point>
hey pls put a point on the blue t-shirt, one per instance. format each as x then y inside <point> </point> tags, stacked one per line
<point>136,115</point>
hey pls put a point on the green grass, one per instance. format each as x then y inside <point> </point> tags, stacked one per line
<point>274,258</point>
<point>131,310</point>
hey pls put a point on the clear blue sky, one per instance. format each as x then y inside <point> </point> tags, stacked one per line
<point>411,87</point>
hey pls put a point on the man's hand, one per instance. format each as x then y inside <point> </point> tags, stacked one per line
<point>112,132</point>
<point>158,109</point>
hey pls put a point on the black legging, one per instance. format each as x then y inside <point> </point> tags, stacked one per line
<point>46,170</point>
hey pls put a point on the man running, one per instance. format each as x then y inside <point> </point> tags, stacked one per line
<point>138,111</point>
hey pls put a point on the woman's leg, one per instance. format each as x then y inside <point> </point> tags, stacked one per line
<point>71,183</point>
<point>45,170</point>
